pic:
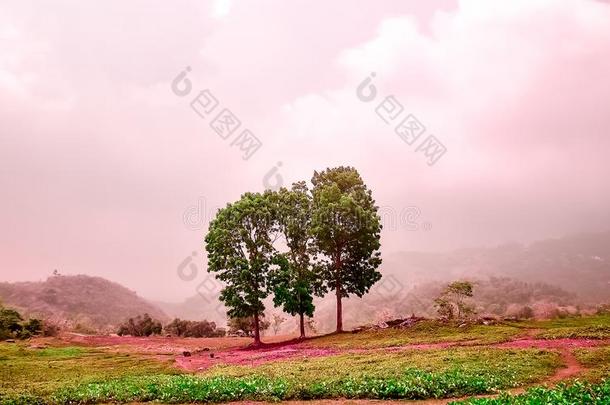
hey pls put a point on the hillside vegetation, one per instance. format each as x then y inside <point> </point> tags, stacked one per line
<point>78,302</point>
<point>578,264</point>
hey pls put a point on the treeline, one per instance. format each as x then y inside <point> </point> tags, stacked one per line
<point>183,328</point>
<point>144,325</point>
<point>295,244</point>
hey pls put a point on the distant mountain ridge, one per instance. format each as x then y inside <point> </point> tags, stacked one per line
<point>78,301</point>
<point>568,271</point>
<point>579,264</point>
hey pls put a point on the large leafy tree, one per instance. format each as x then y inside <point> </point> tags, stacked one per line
<point>240,250</point>
<point>294,279</point>
<point>346,231</point>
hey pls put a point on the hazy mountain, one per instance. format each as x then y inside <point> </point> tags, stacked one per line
<point>579,264</point>
<point>84,301</point>
<point>566,271</point>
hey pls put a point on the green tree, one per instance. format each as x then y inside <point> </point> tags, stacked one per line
<point>195,329</point>
<point>240,251</point>
<point>346,229</point>
<point>32,327</point>
<point>141,325</point>
<point>453,300</point>
<point>10,323</point>
<point>444,307</point>
<point>294,280</point>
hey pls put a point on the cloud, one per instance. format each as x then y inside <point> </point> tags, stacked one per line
<point>100,159</point>
<point>221,8</point>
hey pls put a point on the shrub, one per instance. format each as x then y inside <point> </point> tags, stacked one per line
<point>10,323</point>
<point>142,325</point>
<point>13,326</point>
<point>50,329</point>
<point>196,329</point>
<point>576,393</point>
<point>603,309</point>
<point>452,303</point>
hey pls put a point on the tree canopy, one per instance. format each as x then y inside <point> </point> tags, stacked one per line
<point>294,280</point>
<point>346,231</point>
<point>296,243</point>
<point>240,251</point>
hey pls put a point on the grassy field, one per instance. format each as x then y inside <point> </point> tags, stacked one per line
<point>366,365</point>
<point>40,372</point>
<point>516,366</point>
<point>421,333</point>
<point>588,327</point>
<point>410,375</point>
<point>596,361</point>
<point>564,394</point>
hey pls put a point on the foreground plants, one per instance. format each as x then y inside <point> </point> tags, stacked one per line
<point>576,393</point>
<point>379,375</point>
<point>412,384</point>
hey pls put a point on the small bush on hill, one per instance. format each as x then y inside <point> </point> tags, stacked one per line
<point>452,303</point>
<point>50,329</point>
<point>196,329</point>
<point>603,309</point>
<point>13,326</point>
<point>142,325</point>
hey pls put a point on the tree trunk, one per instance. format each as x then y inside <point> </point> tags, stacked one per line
<point>302,325</point>
<point>257,332</point>
<point>338,285</point>
<point>339,310</point>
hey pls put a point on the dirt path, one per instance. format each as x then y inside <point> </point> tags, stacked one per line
<point>295,350</point>
<point>572,367</point>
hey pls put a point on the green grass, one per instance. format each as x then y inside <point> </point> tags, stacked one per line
<point>410,384</point>
<point>514,366</point>
<point>596,361</point>
<point>408,375</point>
<point>576,393</point>
<point>422,332</point>
<point>40,372</point>
<point>586,327</point>
<point>587,332</point>
<point>72,375</point>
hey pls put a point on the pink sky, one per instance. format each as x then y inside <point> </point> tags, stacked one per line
<point>99,159</point>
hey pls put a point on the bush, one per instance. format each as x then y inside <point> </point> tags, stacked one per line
<point>13,326</point>
<point>452,303</point>
<point>50,329</point>
<point>520,311</point>
<point>576,393</point>
<point>142,325</point>
<point>10,323</point>
<point>603,309</point>
<point>196,329</point>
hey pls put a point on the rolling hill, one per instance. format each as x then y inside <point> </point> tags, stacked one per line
<point>81,302</point>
